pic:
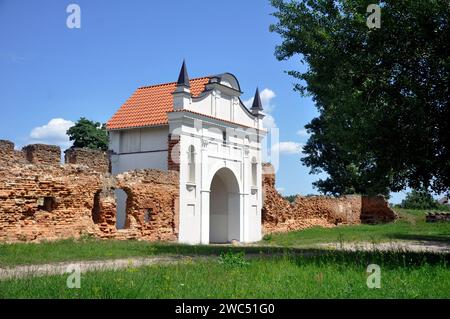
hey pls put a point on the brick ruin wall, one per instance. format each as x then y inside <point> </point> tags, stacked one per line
<point>279,215</point>
<point>9,155</point>
<point>42,154</point>
<point>433,217</point>
<point>97,160</point>
<point>41,199</point>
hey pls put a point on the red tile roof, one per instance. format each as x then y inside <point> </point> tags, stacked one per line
<point>149,105</point>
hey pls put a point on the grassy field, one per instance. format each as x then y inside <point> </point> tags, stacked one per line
<point>281,266</point>
<point>332,275</point>
<point>94,249</point>
<point>410,226</point>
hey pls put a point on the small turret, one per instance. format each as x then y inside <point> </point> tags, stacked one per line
<point>257,105</point>
<point>183,78</point>
<point>182,93</point>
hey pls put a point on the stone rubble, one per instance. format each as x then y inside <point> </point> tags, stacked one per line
<point>433,217</point>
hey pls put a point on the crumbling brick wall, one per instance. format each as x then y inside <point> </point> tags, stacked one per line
<point>96,159</point>
<point>307,211</point>
<point>43,154</point>
<point>375,209</point>
<point>152,204</point>
<point>8,154</point>
<point>6,150</point>
<point>43,201</point>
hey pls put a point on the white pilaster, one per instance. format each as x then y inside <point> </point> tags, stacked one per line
<point>204,194</point>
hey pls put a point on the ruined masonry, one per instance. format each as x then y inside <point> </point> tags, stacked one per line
<point>42,199</point>
<point>308,211</point>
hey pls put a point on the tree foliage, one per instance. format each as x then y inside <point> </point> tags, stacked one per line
<point>86,133</point>
<point>421,199</point>
<point>382,94</point>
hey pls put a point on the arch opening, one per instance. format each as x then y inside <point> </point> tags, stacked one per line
<point>224,209</point>
<point>96,213</point>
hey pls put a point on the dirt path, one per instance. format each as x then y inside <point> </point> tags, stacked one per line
<point>61,268</point>
<point>415,246</point>
<point>87,265</point>
<point>115,264</point>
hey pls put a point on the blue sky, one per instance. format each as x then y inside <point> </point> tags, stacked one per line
<point>51,75</point>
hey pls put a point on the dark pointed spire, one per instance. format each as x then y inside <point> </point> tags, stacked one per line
<point>183,78</point>
<point>257,105</point>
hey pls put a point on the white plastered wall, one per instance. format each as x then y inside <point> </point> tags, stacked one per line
<point>211,155</point>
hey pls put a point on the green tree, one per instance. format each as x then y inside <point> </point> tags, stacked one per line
<point>86,133</point>
<point>419,200</point>
<point>382,94</point>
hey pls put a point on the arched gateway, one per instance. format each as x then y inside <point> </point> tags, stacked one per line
<point>224,209</point>
<point>201,128</point>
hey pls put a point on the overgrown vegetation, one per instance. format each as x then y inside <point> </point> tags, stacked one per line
<point>332,275</point>
<point>95,249</point>
<point>233,259</point>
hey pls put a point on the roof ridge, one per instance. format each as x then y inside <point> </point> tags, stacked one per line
<point>149,105</point>
<point>174,82</point>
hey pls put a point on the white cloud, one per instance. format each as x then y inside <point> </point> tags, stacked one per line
<point>269,122</point>
<point>266,99</point>
<point>266,96</point>
<point>302,133</point>
<point>54,132</point>
<point>287,148</point>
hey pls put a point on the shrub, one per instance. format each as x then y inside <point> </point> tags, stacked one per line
<point>231,259</point>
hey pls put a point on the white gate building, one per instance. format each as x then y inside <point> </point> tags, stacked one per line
<point>201,128</point>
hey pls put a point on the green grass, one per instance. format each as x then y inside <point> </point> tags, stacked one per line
<point>333,275</point>
<point>297,269</point>
<point>95,249</point>
<point>411,225</point>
